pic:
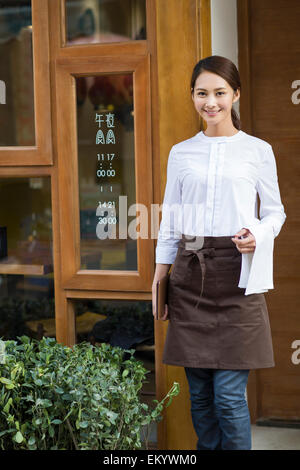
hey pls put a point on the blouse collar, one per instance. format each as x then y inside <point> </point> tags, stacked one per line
<point>222,138</point>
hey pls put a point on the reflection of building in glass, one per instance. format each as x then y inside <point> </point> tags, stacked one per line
<point>26,267</point>
<point>16,70</point>
<point>96,21</point>
<point>14,16</point>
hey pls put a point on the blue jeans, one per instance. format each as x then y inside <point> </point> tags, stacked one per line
<point>219,409</point>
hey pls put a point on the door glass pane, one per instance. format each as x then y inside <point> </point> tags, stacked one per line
<point>99,21</point>
<point>106,166</point>
<point>16,74</point>
<point>26,264</point>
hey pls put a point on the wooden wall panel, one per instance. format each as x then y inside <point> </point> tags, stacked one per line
<point>269,46</point>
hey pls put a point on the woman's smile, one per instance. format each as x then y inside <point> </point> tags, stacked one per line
<point>212,113</point>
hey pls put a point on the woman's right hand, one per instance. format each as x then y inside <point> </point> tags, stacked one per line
<point>166,314</point>
<point>154,299</point>
<point>160,271</point>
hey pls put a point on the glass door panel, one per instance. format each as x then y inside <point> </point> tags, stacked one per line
<point>106,168</point>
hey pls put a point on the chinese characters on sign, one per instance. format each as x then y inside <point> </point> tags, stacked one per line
<point>106,210</point>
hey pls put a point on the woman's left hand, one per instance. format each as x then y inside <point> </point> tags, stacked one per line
<point>246,244</point>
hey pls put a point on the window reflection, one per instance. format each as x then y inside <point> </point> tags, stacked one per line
<point>105,21</point>
<point>16,74</point>
<point>26,265</point>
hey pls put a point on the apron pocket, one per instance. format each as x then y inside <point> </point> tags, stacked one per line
<point>181,272</point>
<point>229,263</point>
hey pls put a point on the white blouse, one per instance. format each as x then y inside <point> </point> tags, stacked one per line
<point>211,190</point>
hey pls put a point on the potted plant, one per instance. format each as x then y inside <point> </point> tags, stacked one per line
<point>53,397</point>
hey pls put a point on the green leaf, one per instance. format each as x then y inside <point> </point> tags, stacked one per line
<point>84,424</point>
<point>25,339</point>
<point>31,441</point>
<point>113,416</point>
<point>13,373</point>
<point>7,406</point>
<point>67,397</point>
<point>10,386</point>
<point>18,437</point>
<point>7,431</point>
<point>45,403</point>
<point>5,381</point>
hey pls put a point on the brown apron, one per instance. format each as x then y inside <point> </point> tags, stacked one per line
<point>212,324</point>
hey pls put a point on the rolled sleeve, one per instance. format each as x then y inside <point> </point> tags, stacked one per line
<point>169,233</point>
<point>257,267</point>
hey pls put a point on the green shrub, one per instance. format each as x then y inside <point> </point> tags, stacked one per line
<point>84,398</point>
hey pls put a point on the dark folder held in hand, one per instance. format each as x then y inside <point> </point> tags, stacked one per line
<point>161,296</point>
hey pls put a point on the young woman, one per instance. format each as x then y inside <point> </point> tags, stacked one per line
<point>222,256</point>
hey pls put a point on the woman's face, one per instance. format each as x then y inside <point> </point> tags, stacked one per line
<point>212,93</point>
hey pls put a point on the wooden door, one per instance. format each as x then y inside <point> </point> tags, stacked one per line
<point>81,69</point>
<point>269,44</point>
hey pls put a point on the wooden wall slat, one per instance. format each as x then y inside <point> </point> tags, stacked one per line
<point>269,45</point>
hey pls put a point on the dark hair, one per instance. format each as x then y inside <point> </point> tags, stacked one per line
<point>227,70</point>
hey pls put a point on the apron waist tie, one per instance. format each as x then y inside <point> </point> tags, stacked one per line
<point>201,254</point>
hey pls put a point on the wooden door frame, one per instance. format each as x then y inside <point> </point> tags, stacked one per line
<point>65,294</point>
<point>41,153</point>
<point>66,69</point>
